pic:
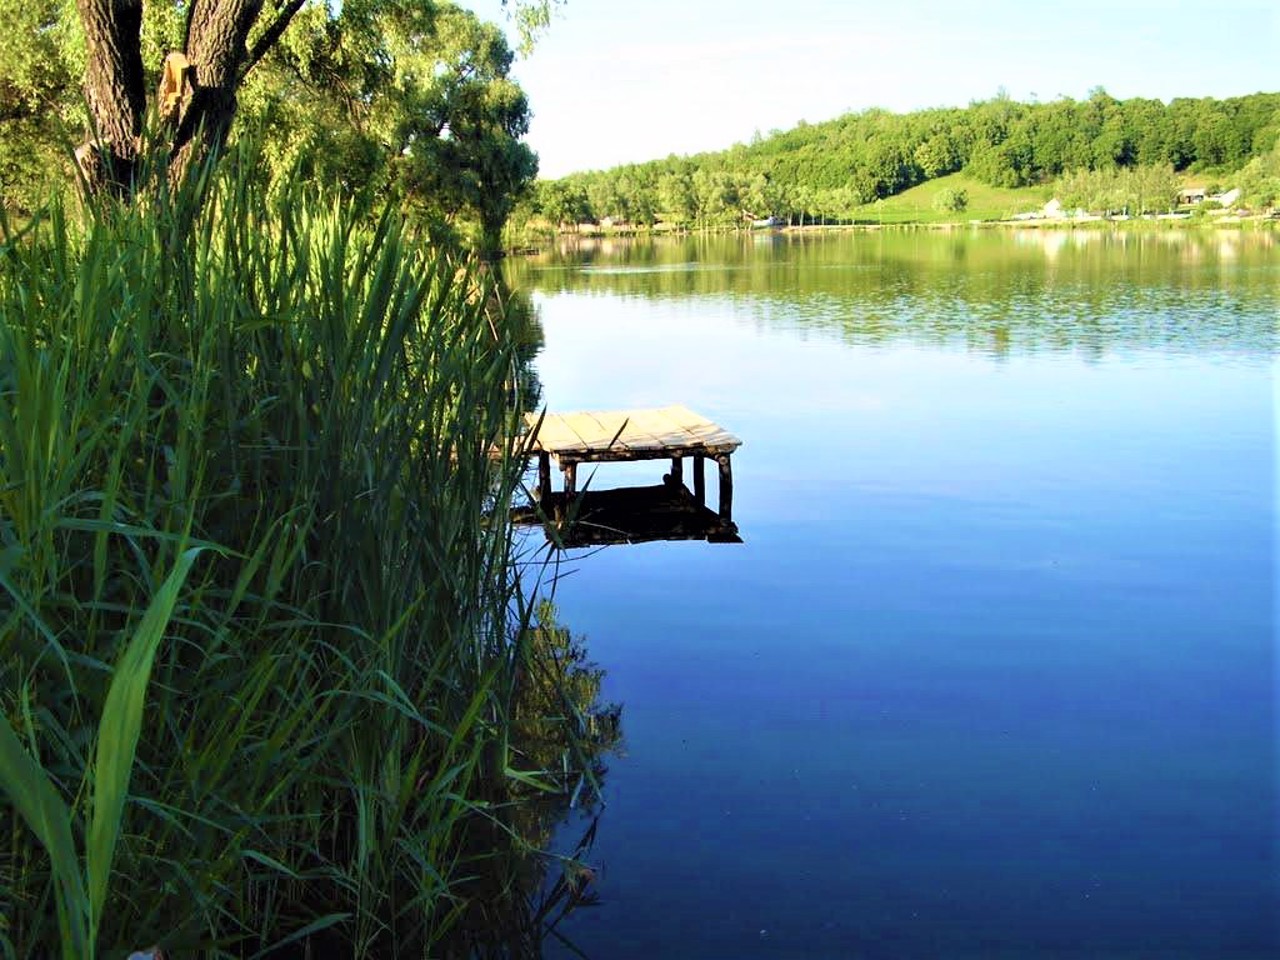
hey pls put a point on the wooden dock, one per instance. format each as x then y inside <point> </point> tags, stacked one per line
<point>673,433</point>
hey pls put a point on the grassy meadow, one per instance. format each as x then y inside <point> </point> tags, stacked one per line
<point>985,202</point>
<point>274,680</point>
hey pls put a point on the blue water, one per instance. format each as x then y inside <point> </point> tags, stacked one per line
<point>994,672</point>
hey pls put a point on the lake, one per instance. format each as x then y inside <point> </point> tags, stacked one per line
<point>993,673</point>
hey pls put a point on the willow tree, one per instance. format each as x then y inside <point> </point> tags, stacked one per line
<point>456,124</point>
<point>196,102</point>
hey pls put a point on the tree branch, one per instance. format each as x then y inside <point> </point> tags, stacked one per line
<point>272,34</point>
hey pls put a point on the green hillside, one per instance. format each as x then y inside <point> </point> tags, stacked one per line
<point>996,157</point>
<point>984,202</point>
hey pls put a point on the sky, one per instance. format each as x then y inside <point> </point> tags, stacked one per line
<point>624,81</point>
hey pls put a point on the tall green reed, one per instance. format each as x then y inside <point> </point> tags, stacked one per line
<point>326,742</point>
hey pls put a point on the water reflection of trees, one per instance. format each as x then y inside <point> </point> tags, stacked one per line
<point>516,308</point>
<point>994,291</point>
<point>561,733</point>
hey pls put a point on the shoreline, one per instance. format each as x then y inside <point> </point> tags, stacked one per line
<point>1224,222</point>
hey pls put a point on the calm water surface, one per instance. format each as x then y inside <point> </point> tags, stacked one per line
<point>994,672</point>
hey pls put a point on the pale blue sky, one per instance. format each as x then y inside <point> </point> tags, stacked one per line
<point>619,81</point>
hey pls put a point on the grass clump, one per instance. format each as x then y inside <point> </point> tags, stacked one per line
<point>264,650</point>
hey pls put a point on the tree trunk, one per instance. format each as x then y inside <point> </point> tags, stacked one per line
<point>217,34</point>
<point>116,91</point>
<point>217,31</point>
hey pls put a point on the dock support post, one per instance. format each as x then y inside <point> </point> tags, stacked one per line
<point>544,476</point>
<point>726,487</point>
<point>699,479</point>
<point>570,480</point>
<point>677,471</point>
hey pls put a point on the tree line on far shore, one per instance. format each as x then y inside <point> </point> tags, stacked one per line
<point>829,169</point>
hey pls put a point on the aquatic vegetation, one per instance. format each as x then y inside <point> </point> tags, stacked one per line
<point>262,631</point>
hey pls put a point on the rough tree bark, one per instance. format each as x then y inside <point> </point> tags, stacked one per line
<point>202,111</point>
<point>217,31</point>
<point>115,89</point>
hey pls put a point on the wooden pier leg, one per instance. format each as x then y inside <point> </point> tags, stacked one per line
<point>726,487</point>
<point>544,477</point>
<point>570,480</point>
<point>699,479</point>
<point>677,471</point>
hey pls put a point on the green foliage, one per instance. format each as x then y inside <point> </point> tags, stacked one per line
<point>407,100</point>
<point>674,196</point>
<point>531,18</point>
<point>950,200</point>
<point>1144,189</point>
<point>403,100</point>
<point>820,172</point>
<point>561,202</point>
<point>117,738</point>
<point>1259,181</point>
<point>35,797</point>
<point>39,101</point>
<point>322,703</point>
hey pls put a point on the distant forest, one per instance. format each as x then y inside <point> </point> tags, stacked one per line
<point>856,159</point>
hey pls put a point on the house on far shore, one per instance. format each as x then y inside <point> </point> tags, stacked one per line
<point>1050,211</point>
<point>1227,199</point>
<point>1194,195</point>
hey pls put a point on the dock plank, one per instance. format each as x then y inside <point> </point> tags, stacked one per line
<point>556,433</point>
<point>602,429</point>
<point>630,434</point>
<point>696,428</point>
<point>622,425</point>
<point>663,431</point>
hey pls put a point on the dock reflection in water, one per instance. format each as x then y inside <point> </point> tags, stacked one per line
<point>666,511</point>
